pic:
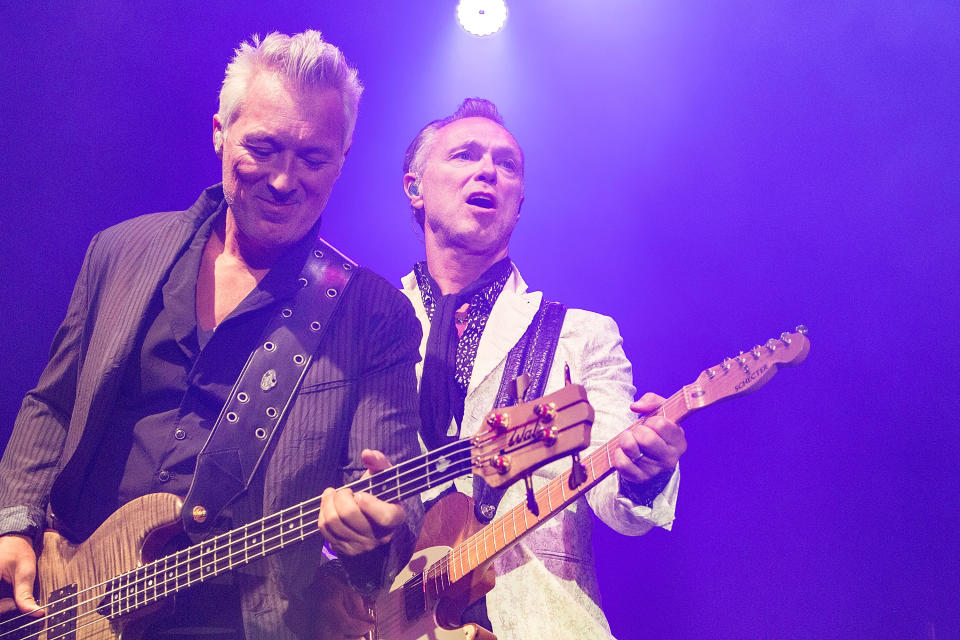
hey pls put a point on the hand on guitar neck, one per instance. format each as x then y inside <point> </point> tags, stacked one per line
<point>354,523</point>
<point>650,447</point>
<point>18,568</point>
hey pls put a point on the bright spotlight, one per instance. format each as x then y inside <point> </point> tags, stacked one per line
<point>482,17</point>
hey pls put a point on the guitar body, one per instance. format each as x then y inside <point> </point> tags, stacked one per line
<point>425,603</point>
<point>449,522</point>
<point>134,533</point>
<point>104,587</point>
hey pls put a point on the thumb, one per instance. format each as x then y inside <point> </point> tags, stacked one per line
<point>374,460</point>
<point>24,575</point>
<point>647,403</point>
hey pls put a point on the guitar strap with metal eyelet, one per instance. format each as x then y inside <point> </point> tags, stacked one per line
<point>533,356</point>
<point>265,389</point>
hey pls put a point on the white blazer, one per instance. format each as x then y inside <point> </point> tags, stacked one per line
<point>546,584</point>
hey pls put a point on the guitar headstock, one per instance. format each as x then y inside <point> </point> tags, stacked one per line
<point>521,438</point>
<point>748,371</point>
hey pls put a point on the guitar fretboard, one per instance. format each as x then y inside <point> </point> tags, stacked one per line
<point>485,545</point>
<point>236,548</point>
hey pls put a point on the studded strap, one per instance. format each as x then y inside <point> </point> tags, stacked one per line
<point>265,389</point>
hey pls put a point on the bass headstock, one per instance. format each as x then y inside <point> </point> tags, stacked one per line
<point>515,440</point>
<point>748,371</point>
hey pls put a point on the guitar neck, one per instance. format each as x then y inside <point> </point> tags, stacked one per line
<point>485,545</point>
<point>238,547</point>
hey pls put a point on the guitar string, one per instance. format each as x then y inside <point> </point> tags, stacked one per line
<point>441,570</point>
<point>304,527</point>
<point>396,473</point>
<point>290,532</point>
<point>145,576</point>
<point>482,538</point>
<point>403,469</point>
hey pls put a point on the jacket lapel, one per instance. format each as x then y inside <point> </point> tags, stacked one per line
<point>511,315</point>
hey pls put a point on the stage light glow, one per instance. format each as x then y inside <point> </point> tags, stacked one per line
<point>482,17</point>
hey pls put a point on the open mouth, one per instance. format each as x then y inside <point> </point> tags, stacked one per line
<point>482,200</point>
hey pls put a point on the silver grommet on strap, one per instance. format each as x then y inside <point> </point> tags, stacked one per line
<point>303,282</point>
<point>347,266</point>
<point>315,326</point>
<point>260,433</point>
<point>232,417</point>
<point>271,412</point>
<point>299,359</point>
<point>269,346</point>
<point>242,397</point>
<point>317,253</point>
<point>331,293</point>
<point>286,313</point>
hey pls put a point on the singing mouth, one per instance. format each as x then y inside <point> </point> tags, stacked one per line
<point>482,200</point>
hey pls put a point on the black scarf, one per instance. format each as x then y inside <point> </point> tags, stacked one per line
<point>449,358</point>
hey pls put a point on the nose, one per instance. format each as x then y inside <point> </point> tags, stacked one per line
<point>282,180</point>
<point>486,170</point>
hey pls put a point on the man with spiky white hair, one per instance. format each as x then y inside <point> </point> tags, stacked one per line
<point>164,314</point>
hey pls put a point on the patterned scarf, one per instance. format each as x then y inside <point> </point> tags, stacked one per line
<point>449,357</point>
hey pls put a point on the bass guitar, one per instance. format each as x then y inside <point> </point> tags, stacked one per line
<point>451,567</point>
<point>105,586</point>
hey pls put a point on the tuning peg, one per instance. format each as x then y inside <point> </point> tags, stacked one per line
<point>771,344</point>
<point>726,364</point>
<point>499,422</point>
<point>785,338</point>
<point>546,412</point>
<point>578,472</point>
<point>741,359</point>
<point>711,374</point>
<point>802,329</point>
<point>531,498</point>
<point>547,434</point>
<point>756,352</point>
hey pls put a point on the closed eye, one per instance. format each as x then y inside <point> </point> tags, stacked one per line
<point>314,163</point>
<point>259,152</point>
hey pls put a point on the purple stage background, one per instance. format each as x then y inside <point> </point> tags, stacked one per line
<point>709,174</point>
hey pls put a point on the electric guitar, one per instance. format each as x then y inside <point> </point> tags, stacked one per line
<point>451,567</point>
<point>105,586</point>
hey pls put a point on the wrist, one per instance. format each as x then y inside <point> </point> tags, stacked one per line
<point>644,493</point>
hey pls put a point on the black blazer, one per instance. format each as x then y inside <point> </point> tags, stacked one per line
<point>359,392</point>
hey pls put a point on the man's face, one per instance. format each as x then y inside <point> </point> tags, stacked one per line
<point>471,187</point>
<point>281,157</point>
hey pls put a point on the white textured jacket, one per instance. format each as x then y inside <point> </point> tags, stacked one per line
<point>546,584</point>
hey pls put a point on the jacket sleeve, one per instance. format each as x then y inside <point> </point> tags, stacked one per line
<point>607,376</point>
<point>387,419</point>
<point>32,456</point>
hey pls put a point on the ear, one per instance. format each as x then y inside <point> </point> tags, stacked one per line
<point>218,136</point>
<point>416,199</point>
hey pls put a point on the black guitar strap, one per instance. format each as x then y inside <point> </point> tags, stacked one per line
<point>532,355</point>
<point>265,389</point>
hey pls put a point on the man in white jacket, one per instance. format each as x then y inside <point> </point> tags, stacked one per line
<point>464,178</point>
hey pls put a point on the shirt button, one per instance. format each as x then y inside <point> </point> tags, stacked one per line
<point>179,434</point>
<point>163,475</point>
